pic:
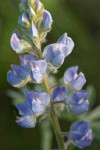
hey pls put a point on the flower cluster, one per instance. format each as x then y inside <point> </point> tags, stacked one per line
<point>30,70</point>
<point>70,93</point>
<point>35,65</point>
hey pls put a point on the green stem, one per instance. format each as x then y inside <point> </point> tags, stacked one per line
<point>52,111</point>
<point>54,117</point>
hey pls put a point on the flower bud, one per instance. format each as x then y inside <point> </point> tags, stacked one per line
<point>19,44</point>
<point>31,13</point>
<point>46,23</point>
<point>23,5</point>
<point>33,31</point>
<point>23,20</point>
<point>36,5</point>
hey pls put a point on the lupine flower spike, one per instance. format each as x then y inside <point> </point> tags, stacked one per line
<point>35,67</point>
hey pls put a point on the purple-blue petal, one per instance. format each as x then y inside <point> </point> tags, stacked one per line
<point>58,60</point>
<point>39,65</point>
<point>15,42</point>
<point>70,74</point>
<point>20,71</point>
<point>26,121</point>
<point>12,78</point>
<point>53,54</point>
<point>47,20</point>
<point>76,97</point>
<point>45,98</point>
<point>19,44</point>
<point>80,126</point>
<point>34,103</point>
<point>33,30</point>
<point>37,107</point>
<point>79,82</point>
<point>83,143</point>
<point>78,130</point>
<point>80,108</point>
<point>59,93</point>
<point>64,39</point>
<point>26,60</point>
<point>36,76</point>
<point>75,135</point>
<point>25,108</point>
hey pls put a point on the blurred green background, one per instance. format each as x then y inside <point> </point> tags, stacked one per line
<point>81,20</point>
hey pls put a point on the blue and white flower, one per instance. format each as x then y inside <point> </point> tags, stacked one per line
<point>81,134</point>
<point>35,104</point>
<point>55,53</point>
<point>20,75</point>
<point>77,102</point>
<point>74,80</point>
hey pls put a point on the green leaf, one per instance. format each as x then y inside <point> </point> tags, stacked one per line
<point>93,115</point>
<point>91,94</point>
<point>96,129</point>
